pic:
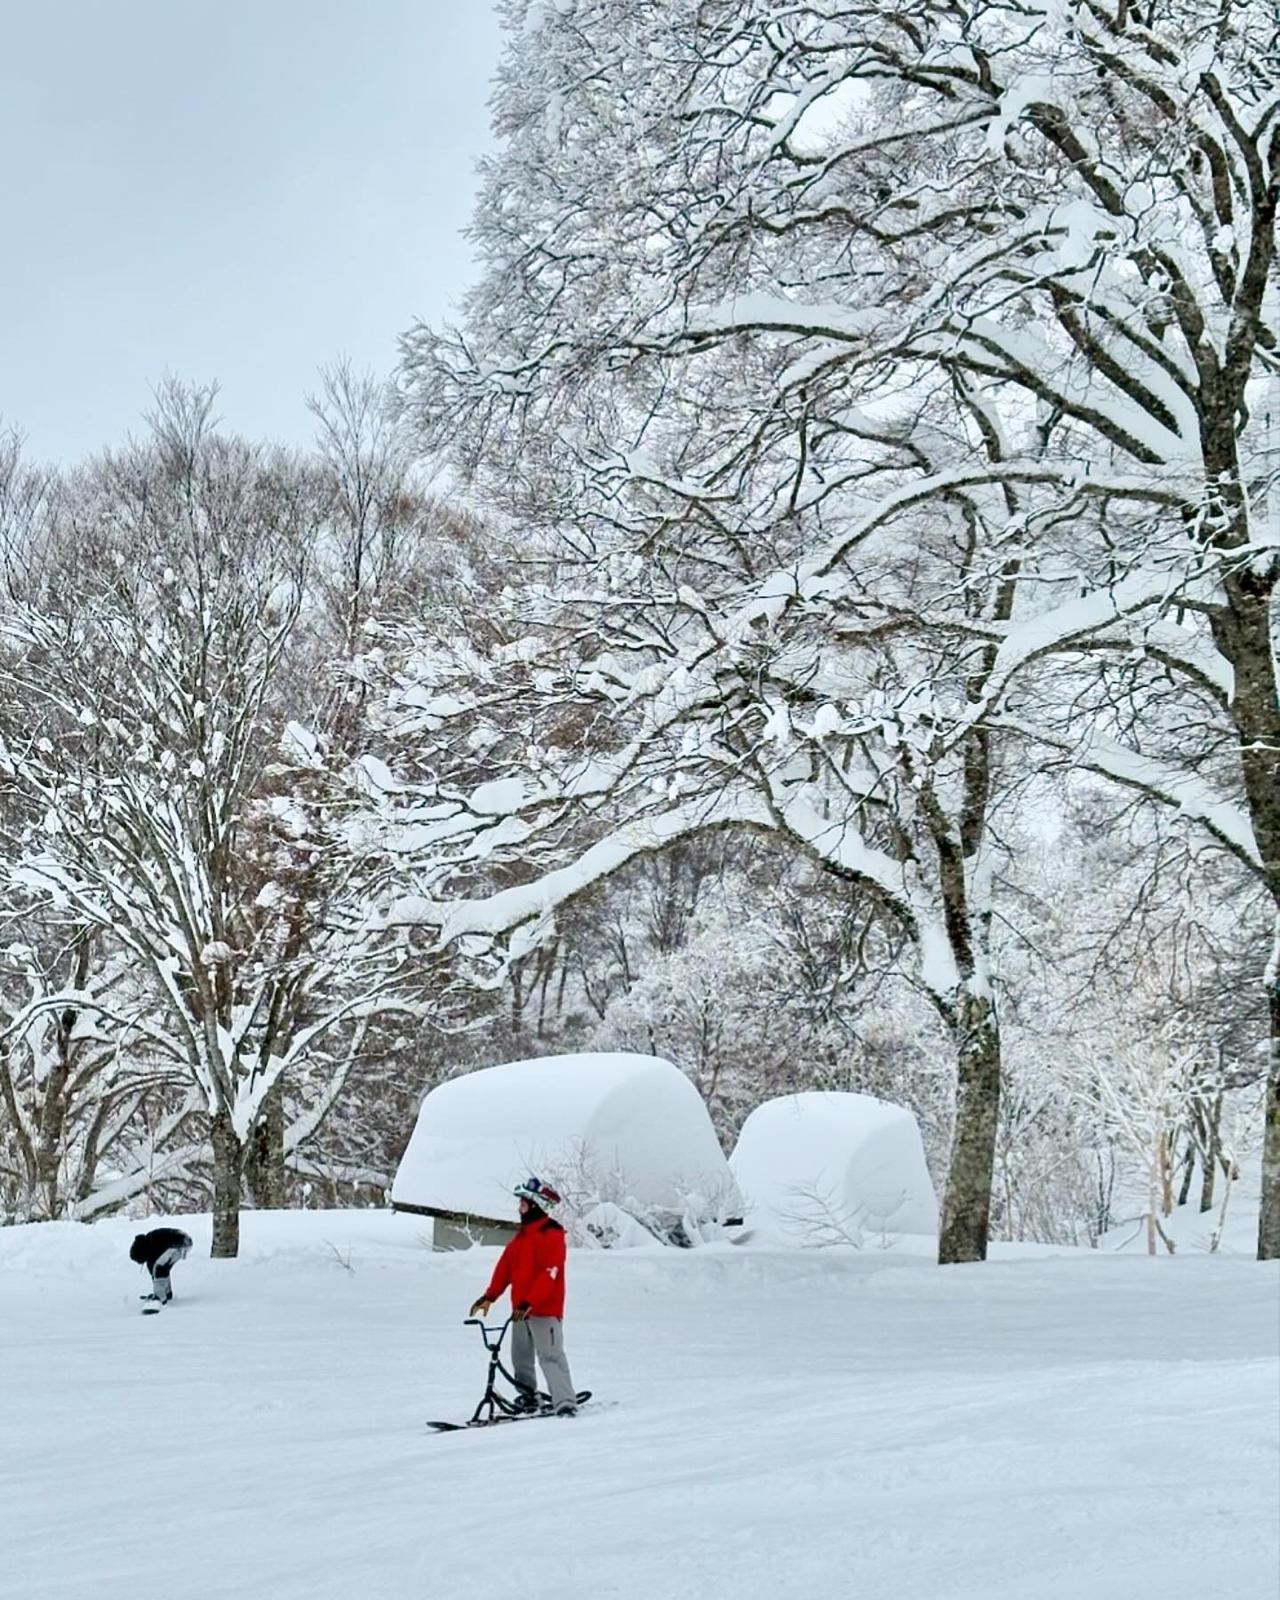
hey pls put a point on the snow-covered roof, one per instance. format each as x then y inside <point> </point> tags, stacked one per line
<point>631,1129</point>
<point>813,1166</point>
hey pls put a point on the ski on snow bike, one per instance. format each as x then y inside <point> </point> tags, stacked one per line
<point>494,1406</point>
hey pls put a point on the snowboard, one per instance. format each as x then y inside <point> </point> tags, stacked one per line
<point>153,1308</point>
<point>521,1416</point>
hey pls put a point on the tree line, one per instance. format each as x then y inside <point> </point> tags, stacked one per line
<point>855,664</point>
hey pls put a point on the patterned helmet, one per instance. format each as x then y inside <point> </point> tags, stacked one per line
<point>537,1193</point>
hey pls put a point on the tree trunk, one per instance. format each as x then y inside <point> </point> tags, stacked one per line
<point>1269,1215</point>
<point>1242,631</point>
<point>517,976</point>
<point>1213,1154</point>
<point>53,1116</point>
<point>228,1158</point>
<point>264,1153</point>
<point>1188,1172</point>
<point>1164,1158</point>
<point>966,1207</point>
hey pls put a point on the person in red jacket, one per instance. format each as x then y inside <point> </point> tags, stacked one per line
<point>532,1267</point>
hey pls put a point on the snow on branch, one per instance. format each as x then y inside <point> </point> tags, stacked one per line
<point>1183,790</point>
<point>535,903</point>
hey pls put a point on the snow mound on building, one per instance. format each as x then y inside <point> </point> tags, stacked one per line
<point>828,1168</point>
<point>626,1131</point>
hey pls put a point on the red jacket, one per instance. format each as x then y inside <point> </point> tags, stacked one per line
<point>532,1266</point>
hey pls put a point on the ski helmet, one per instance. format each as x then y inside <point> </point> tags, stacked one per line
<point>537,1193</point>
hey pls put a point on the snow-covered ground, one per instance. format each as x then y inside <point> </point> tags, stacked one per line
<point>809,1424</point>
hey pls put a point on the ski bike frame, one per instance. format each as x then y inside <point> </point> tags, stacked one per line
<point>491,1402</point>
<point>495,1407</point>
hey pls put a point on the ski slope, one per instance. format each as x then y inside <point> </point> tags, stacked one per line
<point>789,1426</point>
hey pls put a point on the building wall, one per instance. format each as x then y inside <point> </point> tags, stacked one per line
<point>460,1233</point>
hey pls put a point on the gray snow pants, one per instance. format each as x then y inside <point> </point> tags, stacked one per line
<point>545,1335</point>
<point>160,1285</point>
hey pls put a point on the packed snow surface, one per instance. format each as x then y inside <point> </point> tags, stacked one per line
<point>819,1164</point>
<point>790,1425</point>
<point>630,1129</point>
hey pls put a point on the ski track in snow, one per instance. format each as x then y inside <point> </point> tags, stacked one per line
<point>791,1425</point>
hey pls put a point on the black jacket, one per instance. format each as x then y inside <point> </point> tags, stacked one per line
<point>147,1248</point>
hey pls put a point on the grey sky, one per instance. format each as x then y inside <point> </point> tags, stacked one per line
<point>229,189</point>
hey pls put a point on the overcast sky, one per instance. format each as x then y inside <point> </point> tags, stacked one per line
<point>238,190</point>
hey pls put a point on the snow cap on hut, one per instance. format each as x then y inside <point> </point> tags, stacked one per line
<point>819,1168</point>
<point>629,1131</point>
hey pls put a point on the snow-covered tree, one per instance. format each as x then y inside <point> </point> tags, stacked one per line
<point>163,797</point>
<point>1155,1086</point>
<point>746,598</point>
<point>775,305</point>
<point>96,1110</point>
<point>365,472</point>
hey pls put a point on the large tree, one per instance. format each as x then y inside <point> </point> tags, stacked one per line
<point>161,795</point>
<point>937,334</point>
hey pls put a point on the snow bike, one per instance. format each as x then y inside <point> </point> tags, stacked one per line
<point>494,1406</point>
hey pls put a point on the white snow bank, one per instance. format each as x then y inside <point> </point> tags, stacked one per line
<point>1087,1426</point>
<point>821,1168</point>
<point>630,1130</point>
